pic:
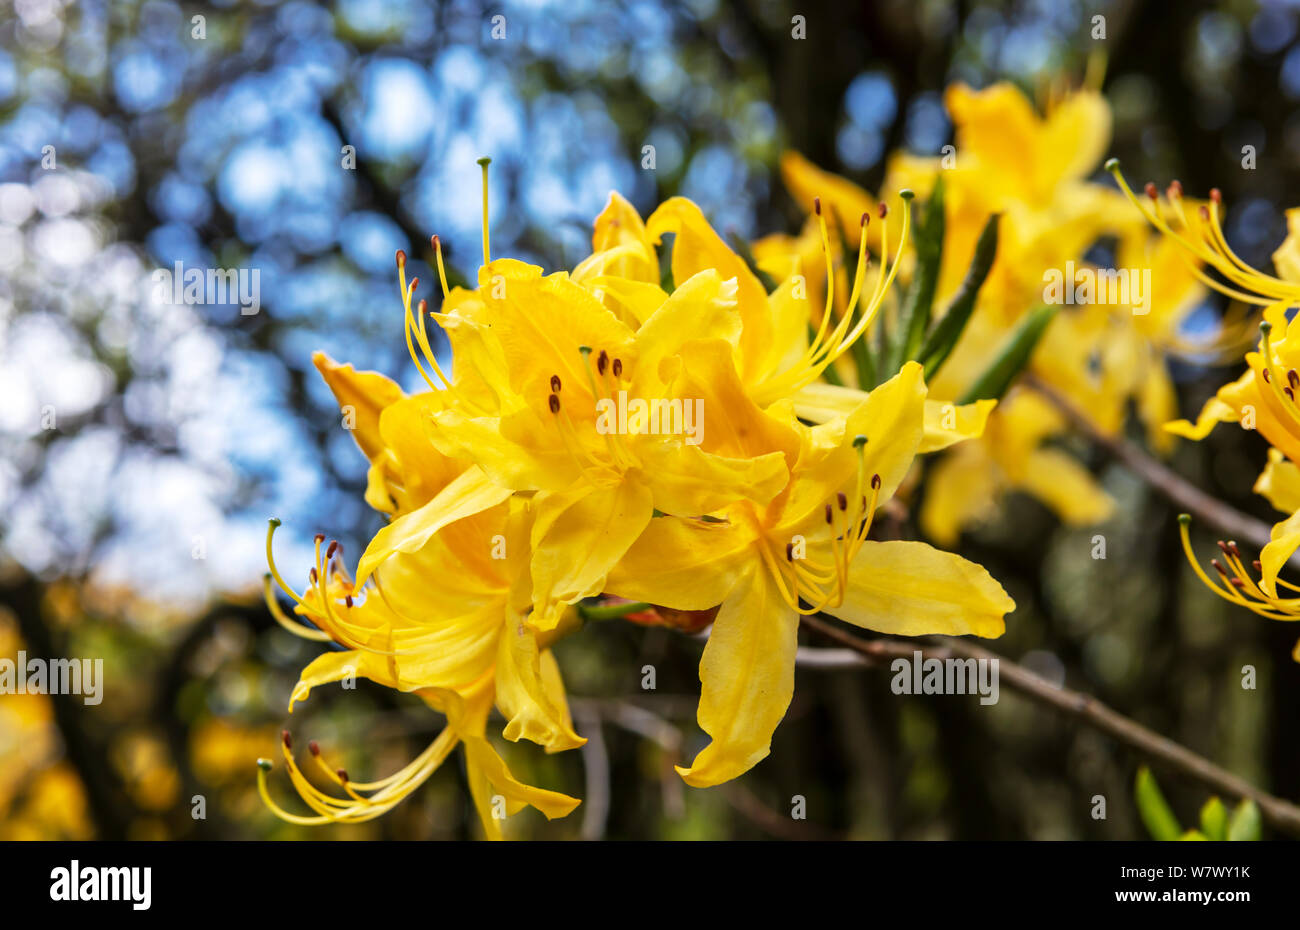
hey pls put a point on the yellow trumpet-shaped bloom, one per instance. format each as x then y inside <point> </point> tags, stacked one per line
<point>807,551</point>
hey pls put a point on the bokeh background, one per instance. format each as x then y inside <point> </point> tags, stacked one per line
<point>134,530</point>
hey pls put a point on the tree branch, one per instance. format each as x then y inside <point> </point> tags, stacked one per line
<point>1279,813</point>
<point>1173,486</point>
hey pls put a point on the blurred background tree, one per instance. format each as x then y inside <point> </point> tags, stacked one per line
<point>144,445</point>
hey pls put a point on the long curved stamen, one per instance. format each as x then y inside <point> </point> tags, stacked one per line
<point>436,242</point>
<point>272,525</point>
<point>1211,247</point>
<point>1239,587</point>
<point>355,809</point>
<point>279,616</point>
<point>487,251</point>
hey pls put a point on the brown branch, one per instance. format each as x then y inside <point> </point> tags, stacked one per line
<point>1281,814</point>
<point>1177,489</point>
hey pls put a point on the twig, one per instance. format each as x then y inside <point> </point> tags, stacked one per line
<point>595,759</point>
<point>1177,489</point>
<point>1278,812</point>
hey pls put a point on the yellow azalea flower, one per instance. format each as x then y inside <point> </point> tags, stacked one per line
<point>964,487</point>
<point>583,415</point>
<point>774,352</point>
<point>809,546</point>
<point>461,644</point>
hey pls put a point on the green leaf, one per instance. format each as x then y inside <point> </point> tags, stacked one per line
<point>1214,819</point>
<point>943,338</point>
<point>914,315</point>
<point>1013,357</point>
<point>1193,835</point>
<point>742,249</point>
<point>1244,824</point>
<point>1156,815</point>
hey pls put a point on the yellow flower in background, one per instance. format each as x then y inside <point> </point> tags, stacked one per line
<point>966,485</point>
<point>808,547</point>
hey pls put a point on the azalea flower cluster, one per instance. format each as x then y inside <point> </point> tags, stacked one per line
<point>1263,398</point>
<point>514,498</point>
<point>700,435</point>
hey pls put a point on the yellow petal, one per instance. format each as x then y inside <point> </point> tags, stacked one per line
<point>1212,414</point>
<point>702,307</point>
<point>1279,482</point>
<point>911,589</point>
<point>840,198</point>
<point>961,490</point>
<point>688,482</point>
<point>1066,487</point>
<point>469,494</point>
<point>523,696</point>
<point>362,395</point>
<point>947,423</point>
<point>747,680</point>
<point>1285,539</point>
<point>696,248</point>
<point>1286,259</point>
<point>684,564</point>
<point>577,538</point>
<point>819,401</point>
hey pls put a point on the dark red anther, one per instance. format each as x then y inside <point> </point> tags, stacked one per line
<point>883,211</point>
<point>435,242</point>
<point>320,538</point>
<point>347,599</point>
<point>401,259</point>
<point>875,482</point>
<point>602,361</point>
<point>1264,372</point>
<point>1289,393</point>
<point>618,368</point>
<point>343,775</point>
<point>554,401</point>
<point>842,500</point>
<point>829,513</point>
<point>1175,188</point>
<point>1255,564</point>
<point>555,384</point>
<point>1151,191</point>
<point>313,576</point>
<point>1223,546</point>
<point>333,547</point>
<point>415,284</point>
<point>1218,567</point>
<point>817,205</point>
<point>1238,583</point>
<point>1232,547</point>
<point>1292,378</point>
<point>288,740</point>
<point>1205,213</point>
<point>1216,195</point>
<point>865,221</point>
<point>315,749</point>
<point>789,552</point>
